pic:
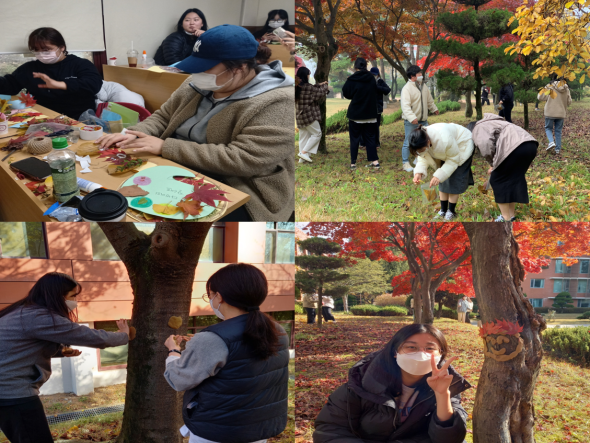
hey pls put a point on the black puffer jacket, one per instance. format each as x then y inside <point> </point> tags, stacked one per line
<point>176,47</point>
<point>361,89</point>
<point>507,96</point>
<point>382,91</point>
<point>362,410</point>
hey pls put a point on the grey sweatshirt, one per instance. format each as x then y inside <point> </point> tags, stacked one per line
<point>270,77</point>
<point>30,337</point>
<point>203,357</point>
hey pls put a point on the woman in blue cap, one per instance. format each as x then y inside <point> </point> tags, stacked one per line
<point>232,120</point>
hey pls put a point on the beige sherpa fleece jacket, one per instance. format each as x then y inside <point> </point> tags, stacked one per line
<point>249,145</point>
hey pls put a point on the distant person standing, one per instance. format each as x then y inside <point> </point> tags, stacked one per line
<point>415,103</point>
<point>485,92</point>
<point>307,99</point>
<point>462,308</point>
<point>309,304</point>
<point>555,110</point>
<point>507,101</point>
<point>361,89</point>
<point>382,91</point>
<point>327,306</point>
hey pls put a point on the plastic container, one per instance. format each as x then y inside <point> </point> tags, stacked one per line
<point>73,136</point>
<point>17,104</point>
<point>4,127</point>
<point>62,162</point>
<point>428,194</point>
<point>132,58</point>
<point>91,132</point>
<point>88,186</point>
<point>103,205</point>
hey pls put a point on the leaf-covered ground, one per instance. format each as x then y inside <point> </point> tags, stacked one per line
<point>559,187</point>
<point>324,358</point>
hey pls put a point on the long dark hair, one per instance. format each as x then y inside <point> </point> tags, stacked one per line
<point>384,368</point>
<point>179,27</point>
<point>41,36</point>
<point>49,292</point>
<point>301,78</point>
<point>418,139</point>
<point>245,287</point>
<point>271,16</point>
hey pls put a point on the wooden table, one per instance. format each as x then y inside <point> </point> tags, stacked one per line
<point>18,203</point>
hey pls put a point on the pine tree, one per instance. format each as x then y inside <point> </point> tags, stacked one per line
<point>447,80</point>
<point>563,300</point>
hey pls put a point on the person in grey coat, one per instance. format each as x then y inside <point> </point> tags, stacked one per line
<point>32,331</point>
<point>406,392</point>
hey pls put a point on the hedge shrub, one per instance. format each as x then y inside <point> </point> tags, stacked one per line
<point>389,300</point>
<point>299,308</point>
<point>392,118</point>
<point>570,343</point>
<point>380,311</point>
<point>447,106</point>
<point>545,310</point>
<point>337,122</point>
<point>584,315</point>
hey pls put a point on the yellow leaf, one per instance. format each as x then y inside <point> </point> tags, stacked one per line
<point>568,5</point>
<point>166,209</point>
<point>553,219</point>
<point>527,50</point>
<point>582,78</point>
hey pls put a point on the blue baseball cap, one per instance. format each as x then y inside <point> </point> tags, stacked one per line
<point>375,71</point>
<point>218,44</point>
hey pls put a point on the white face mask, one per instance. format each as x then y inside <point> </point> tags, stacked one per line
<point>276,23</point>
<point>47,57</point>
<point>208,82</point>
<point>216,309</point>
<point>416,364</point>
<point>419,78</point>
<point>72,304</point>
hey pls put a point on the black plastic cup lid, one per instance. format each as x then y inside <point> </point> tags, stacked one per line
<point>103,205</point>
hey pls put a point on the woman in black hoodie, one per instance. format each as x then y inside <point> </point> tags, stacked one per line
<point>361,89</point>
<point>403,393</point>
<point>179,45</point>
<point>59,81</point>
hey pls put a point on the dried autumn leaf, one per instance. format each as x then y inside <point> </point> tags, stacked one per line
<point>165,209</point>
<point>207,193</point>
<point>190,207</point>
<point>27,99</point>
<point>110,152</point>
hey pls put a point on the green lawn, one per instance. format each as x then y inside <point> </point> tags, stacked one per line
<point>323,358</point>
<point>559,189</point>
<point>333,105</point>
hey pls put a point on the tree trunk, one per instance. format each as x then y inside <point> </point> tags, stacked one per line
<point>427,305</point>
<point>161,268</point>
<point>321,75</point>
<point>382,69</point>
<point>345,302</point>
<point>319,306</point>
<point>478,108</point>
<point>394,85</point>
<point>468,105</point>
<point>526,115</point>
<point>439,311</point>
<point>503,410</point>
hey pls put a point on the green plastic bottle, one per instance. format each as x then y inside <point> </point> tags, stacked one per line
<point>62,162</point>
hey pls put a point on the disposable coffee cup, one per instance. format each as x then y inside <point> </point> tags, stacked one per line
<point>103,205</point>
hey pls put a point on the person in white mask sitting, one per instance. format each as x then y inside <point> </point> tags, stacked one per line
<point>405,392</point>
<point>277,18</point>
<point>232,120</point>
<point>59,81</point>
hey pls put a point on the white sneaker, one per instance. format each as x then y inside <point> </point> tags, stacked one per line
<point>408,167</point>
<point>449,216</point>
<point>551,145</point>
<point>301,160</point>
<point>305,156</point>
<point>499,219</point>
<point>415,160</point>
<point>439,215</point>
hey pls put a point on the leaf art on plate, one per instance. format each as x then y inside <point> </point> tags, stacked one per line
<point>166,209</point>
<point>190,207</point>
<point>110,152</point>
<point>27,99</point>
<point>206,193</point>
<point>133,191</point>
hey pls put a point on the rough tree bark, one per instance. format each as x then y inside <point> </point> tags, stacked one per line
<point>161,268</point>
<point>504,411</point>
<point>468,104</point>
<point>345,302</point>
<point>319,306</point>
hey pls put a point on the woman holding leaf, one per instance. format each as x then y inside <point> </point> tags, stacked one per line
<point>232,120</point>
<point>448,149</point>
<point>406,392</point>
<point>59,81</point>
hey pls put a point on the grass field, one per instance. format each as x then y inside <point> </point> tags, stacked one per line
<point>559,188</point>
<point>323,359</point>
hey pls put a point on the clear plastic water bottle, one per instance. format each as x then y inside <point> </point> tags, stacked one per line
<point>62,162</point>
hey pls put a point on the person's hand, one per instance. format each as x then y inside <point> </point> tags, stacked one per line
<point>123,326</point>
<point>418,178</point>
<point>271,37</point>
<point>143,143</point>
<point>108,140</point>
<point>440,380</point>
<point>171,343</point>
<point>436,112</point>
<point>500,101</point>
<point>415,121</point>
<point>199,33</point>
<point>289,41</point>
<point>49,82</point>
<point>69,352</point>
<point>490,171</point>
<point>185,337</point>
<point>435,181</point>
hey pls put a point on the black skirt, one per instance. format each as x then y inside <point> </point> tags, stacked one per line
<point>459,180</point>
<point>508,179</point>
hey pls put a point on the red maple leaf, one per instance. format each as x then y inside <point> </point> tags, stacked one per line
<point>190,207</point>
<point>27,99</point>
<point>111,152</point>
<point>206,193</point>
<point>20,139</point>
<point>501,327</point>
<point>16,119</point>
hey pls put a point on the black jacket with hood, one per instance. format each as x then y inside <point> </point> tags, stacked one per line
<point>361,89</point>
<point>382,90</point>
<point>363,410</point>
<point>175,48</point>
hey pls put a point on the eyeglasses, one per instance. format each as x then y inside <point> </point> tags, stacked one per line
<point>206,298</point>
<point>412,349</point>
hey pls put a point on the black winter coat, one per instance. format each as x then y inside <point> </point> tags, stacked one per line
<point>507,96</point>
<point>175,48</point>
<point>362,411</point>
<point>361,89</point>
<point>80,75</point>
<point>382,91</point>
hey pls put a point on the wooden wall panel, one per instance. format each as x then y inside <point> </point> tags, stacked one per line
<point>30,269</point>
<point>104,310</point>
<point>69,241</point>
<point>100,270</point>
<point>14,291</point>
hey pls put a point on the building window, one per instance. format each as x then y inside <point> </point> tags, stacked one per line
<point>561,285</point>
<point>536,302</point>
<point>280,242</point>
<point>537,283</point>
<point>22,240</point>
<point>584,303</point>
<point>115,357</point>
<point>582,286</point>
<point>584,266</point>
<point>9,62</point>
<point>212,248</point>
